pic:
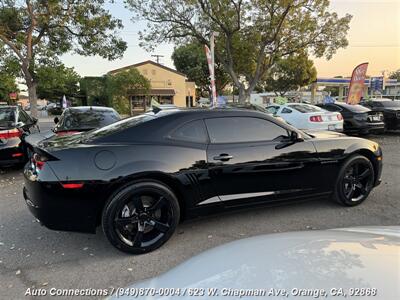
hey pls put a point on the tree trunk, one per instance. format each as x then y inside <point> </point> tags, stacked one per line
<point>244,95</point>
<point>32,98</point>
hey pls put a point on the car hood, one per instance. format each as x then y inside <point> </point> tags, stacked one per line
<point>325,134</point>
<point>360,257</point>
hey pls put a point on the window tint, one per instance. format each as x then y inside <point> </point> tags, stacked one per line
<point>243,129</point>
<point>191,132</point>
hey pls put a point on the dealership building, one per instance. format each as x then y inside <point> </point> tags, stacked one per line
<point>168,86</point>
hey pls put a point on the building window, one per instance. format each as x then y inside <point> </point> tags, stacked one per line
<point>153,72</point>
<point>169,82</point>
<point>145,72</point>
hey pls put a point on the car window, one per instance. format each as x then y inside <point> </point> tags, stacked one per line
<point>7,116</point>
<point>375,104</point>
<point>87,119</point>
<point>286,110</point>
<point>305,108</point>
<point>191,132</point>
<point>273,109</point>
<point>332,107</point>
<point>243,129</point>
<point>23,117</point>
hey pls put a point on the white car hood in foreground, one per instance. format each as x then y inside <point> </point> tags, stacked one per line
<point>349,258</point>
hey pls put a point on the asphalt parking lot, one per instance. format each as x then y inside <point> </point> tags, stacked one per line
<point>33,256</point>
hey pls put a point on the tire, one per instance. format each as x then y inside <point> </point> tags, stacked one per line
<point>355,181</point>
<point>140,217</point>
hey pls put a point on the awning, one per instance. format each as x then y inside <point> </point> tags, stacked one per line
<point>155,92</point>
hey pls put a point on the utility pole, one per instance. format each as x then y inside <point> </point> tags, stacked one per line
<point>157,56</point>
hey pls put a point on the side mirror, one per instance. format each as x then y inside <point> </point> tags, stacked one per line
<point>56,120</point>
<point>295,137</point>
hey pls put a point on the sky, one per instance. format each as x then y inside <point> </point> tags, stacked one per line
<point>374,37</point>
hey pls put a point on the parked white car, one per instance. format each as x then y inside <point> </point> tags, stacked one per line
<point>308,117</point>
<point>349,263</point>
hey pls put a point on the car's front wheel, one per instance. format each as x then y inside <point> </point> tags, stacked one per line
<point>141,217</point>
<point>355,181</point>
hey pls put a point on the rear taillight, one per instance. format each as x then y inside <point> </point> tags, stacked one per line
<point>316,118</point>
<point>72,186</point>
<point>339,117</point>
<point>39,161</point>
<point>9,134</point>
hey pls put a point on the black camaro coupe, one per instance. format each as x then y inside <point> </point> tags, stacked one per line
<point>140,176</point>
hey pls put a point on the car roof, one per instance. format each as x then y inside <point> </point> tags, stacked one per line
<point>209,112</point>
<point>86,108</point>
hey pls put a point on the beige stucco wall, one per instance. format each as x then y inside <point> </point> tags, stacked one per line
<point>161,78</point>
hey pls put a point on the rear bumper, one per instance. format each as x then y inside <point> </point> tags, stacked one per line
<point>61,209</point>
<point>12,154</point>
<point>365,127</point>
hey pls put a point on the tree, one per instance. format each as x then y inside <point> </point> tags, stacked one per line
<point>289,74</point>
<point>114,89</point>
<point>7,85</point>
<point>253,35</point>
<point>191,60</point>
<point>33,31</point>
<point>395,75</point>
<point>56,80</point>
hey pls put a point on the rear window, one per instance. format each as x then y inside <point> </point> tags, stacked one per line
<point>355,108</point>
<point>119,126</point>
<point>7,116</point>
<point>87,119</point>
<point>304,108</point>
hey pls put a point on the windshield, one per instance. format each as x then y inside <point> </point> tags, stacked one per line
<point>390,103</point>
<point>305,108</point>
<point>7,116</point>
<point>87,119</point>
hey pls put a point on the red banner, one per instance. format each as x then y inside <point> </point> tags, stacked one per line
<point>357,83</point>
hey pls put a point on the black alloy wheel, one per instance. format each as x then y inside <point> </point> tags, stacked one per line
<point>141,217</point>
<point>355,182</point>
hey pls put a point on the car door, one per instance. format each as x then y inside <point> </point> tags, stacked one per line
<point>250,161</point>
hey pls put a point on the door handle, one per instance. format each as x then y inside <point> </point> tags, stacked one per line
<point>223,157</point>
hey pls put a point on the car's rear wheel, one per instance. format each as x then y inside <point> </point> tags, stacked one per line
<point>355,181</point>
<point>141,217</point>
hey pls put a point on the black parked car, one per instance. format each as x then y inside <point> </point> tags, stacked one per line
<point>140,176</point>
<point>15,125</point>
<point>84,118</point>
<point>357,118</point>
<point>390,110</point>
